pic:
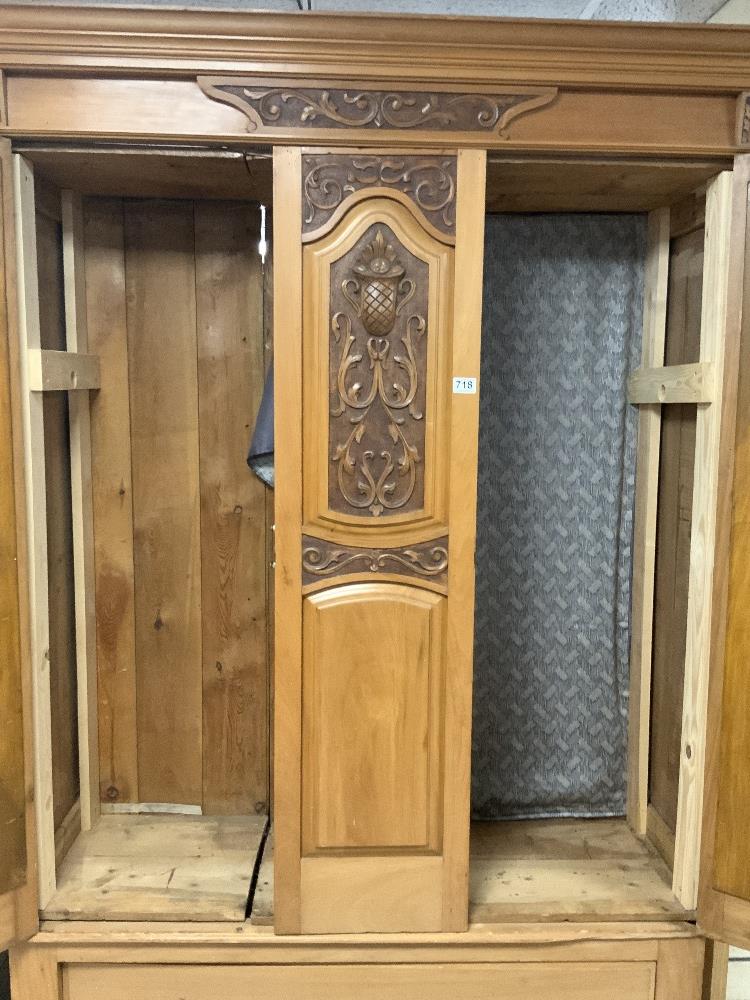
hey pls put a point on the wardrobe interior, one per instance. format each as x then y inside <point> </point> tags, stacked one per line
<point>177,253</point>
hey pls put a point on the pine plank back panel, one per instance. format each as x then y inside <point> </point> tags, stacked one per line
<point>174,293</point>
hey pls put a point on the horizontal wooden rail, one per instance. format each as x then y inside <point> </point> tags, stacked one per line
<point>672,384</point>
<point>56,370</point>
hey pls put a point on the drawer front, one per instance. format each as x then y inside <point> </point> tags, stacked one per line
<point>496,981</point>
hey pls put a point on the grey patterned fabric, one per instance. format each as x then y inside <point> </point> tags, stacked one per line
<point>561,332</point>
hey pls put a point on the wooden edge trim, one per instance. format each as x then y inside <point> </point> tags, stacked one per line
<point>714,316</point>
<point>464,431</point>
<point>716,910</point>
<point>76,330</point>
<point>673,384</point>
<point>287,228</point>
<point>36,524</point>
<point>644,527</point>
<point>52,371</point>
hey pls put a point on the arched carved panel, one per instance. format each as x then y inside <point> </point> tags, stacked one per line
<point>376,332</point>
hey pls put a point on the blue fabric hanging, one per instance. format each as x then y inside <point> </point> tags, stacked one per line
<point>260,456</point>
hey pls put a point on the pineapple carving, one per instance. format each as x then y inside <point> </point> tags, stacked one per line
<point>375,293</point>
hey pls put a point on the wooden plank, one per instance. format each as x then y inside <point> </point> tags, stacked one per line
<point>464,430</point>
<point>81,510</point>
<point>585,184</point>
<point>727,864</point>
<point>59,370</point>
<point>679,970</point>
<point>566,870</point>
<point>112,502</point>
<point>644,529</point>
<point>537,980</point>
<point>159,868</point>
<point>61,587</point>
<point>672,384</point>
<point>716,970</point>
<point>18,903</point>
<point>229,310</point>
<point>160,292</point>
<point>34,972</point>
<point>288,501</point>
<point>673,529</point>
<point>705,491</point>
<point>33,424</point>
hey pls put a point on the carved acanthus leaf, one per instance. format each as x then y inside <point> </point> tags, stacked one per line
<point>323,560</point>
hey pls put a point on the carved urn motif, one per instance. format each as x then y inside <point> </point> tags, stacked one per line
<point>375,293</point>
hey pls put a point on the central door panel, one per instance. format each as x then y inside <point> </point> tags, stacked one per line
<point>375,509</point>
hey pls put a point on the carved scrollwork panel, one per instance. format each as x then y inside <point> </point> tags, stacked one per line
<point>322,560</point>
<point>273,106</point>
<point>377,369</point>
<point>329,178</point>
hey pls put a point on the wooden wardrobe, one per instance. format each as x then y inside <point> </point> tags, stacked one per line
<point>237,723</point>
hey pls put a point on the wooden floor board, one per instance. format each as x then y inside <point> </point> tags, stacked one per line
<point>145,867</point>
<point>566,870</point>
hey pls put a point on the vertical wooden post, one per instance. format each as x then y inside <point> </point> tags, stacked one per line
<point>644,528</point>
<point>35,973</point>
<point>702,545</point>
<point>33,425</point>
<point>287,184</point>
<point>467,320</point>
<point>81,502</point>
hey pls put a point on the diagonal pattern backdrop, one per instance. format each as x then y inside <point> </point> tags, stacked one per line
<point>557,440</point>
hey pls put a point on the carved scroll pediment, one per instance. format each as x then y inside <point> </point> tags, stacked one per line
<point>271,106</point>
<point>328,179</point>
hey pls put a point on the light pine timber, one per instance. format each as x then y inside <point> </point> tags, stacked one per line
<point>162,353</point>
<point>61,584</point>
<point>727,916</point>
<point>81,511</point>
<point>36,515</point>
<point>644,528</point>
<point>551,981</point>
<point>112,502</point>
<point>229,308</point>
<point>672,384</point>
<point>702,546</point>
<point>18,876</point>
<point>288,502</point>
<point>464,430</point>
<point>673,529</point>
<point>566,869</point>
<point>35,974</point>
<point>60,370</point>
<point>190,868</point>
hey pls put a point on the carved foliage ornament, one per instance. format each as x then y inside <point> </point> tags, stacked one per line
<point>328,178</point>
<point>377,406</point>
<point>322,560</point>
<point>292,107</point>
